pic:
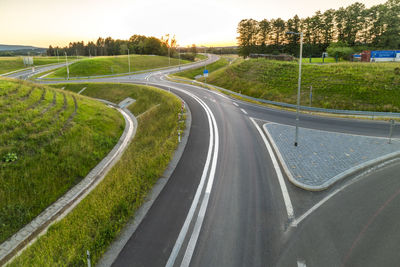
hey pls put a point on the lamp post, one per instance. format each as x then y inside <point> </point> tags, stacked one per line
<point>298,86</point>
<point>66,64</point>
<point>129,62</point>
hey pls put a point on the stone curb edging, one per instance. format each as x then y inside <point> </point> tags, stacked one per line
<point>59,209</point>
<point>118,244</point>
<point>352,171</point>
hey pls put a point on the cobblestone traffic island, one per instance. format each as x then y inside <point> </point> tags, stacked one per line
<point>323,158</point>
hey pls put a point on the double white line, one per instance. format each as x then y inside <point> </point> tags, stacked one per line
<point>209,168</point>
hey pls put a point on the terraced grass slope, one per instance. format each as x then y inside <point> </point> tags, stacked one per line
<point>8,64</point>
<point>98,219</point>
<point>357,86</point>
<point>114,65</point>
<point>49,140</point>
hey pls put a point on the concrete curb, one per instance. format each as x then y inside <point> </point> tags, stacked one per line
<point>118,244</point>
<point>27,235</point>
<point>350,172</point>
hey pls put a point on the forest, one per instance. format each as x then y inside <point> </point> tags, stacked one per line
<point>350,29</point>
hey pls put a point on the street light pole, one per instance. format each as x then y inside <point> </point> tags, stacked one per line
<point>169,57</point>
<point>129,62</point>
<point>298,87</point>
<point>179,53</point>
<point>66,64</point>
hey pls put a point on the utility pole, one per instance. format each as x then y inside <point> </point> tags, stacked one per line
<point>66,64</point>
<point>129,62</point>
<point>58,58</point>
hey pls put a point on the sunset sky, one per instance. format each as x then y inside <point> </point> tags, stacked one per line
<point>203,22</point>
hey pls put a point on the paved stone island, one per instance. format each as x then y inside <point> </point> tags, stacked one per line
<point>322,157</point>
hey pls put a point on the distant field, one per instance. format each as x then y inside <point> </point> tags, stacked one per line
<point>8,64</point>
<point>114,65</point>
<point>98,219</point>
<point>361,86</point>
<point>49,140</point>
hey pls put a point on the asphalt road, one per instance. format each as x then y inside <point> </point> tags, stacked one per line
<point>224,204</point>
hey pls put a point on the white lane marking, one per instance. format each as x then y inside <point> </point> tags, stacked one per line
<point>244,111</point>
<point>200,217</point>
<point>189,217</point>
<point>197,87</point>
<point>83,89</point>
<point>285,193</point>
<point>236,104</point>
<point>301,263</point>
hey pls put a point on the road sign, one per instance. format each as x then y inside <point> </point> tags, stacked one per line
<point>205,73</point>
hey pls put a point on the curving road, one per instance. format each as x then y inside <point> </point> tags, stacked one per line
<point>226,203</point>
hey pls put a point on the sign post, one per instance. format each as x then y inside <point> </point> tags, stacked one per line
<point>205,75</point>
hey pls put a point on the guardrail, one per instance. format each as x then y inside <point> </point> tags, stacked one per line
<point>305,108</point>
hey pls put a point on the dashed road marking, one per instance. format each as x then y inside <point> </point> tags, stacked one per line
<point>236,104</point>
<point>244,111</point>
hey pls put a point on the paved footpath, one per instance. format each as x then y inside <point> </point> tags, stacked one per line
<point>322,158</point>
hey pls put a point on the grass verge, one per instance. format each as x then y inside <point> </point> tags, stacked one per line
<point>114,65</point>
<point>352,86</point>
<point>98,219</point>
<point>49,141</point>
<point>8,64</point>
<point>192,73</point>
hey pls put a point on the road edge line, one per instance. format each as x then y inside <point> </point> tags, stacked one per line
<point>285,193</point>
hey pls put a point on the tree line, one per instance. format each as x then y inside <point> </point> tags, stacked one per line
<point>355,26</point>
<point>137,44</point>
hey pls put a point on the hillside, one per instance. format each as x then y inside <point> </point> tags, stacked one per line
<point>4,47</point>
<point>374,87</point>
<point>49,140</point>
<point>114,65</point>
<point>8,64</point>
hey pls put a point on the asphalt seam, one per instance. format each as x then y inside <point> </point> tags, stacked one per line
<point>27,235</point>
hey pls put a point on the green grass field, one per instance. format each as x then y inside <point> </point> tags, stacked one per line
<point>355,86</point>
<point>114,65</point>
<point>8,64</point>
<point>192,73</point>
<point>56,138</point>
<point>97,220</point>
<point>319,60</point>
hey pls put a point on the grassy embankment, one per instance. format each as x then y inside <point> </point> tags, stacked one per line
<point>355,86</point>
<point>96,221</point>
<point>319,60</point>
<point>114,65</point>
<point>192,73</point>
<point>49,141</point>
<point>8,64</point>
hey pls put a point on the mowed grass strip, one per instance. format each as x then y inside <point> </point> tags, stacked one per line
<point>56,141</point>
<point>98,219</point>
<point>354,86</point>
<point>192,73</point>
<point>114,65</point>
<point>8,64</point>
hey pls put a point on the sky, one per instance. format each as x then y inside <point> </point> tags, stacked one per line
<point>201,22</point>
